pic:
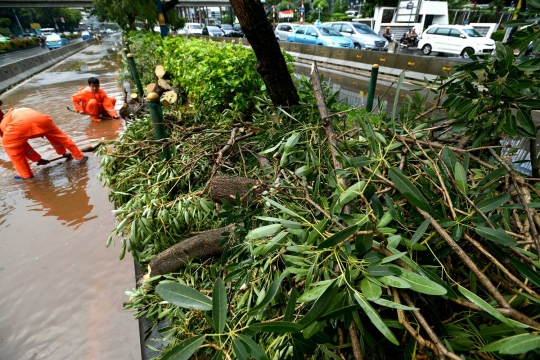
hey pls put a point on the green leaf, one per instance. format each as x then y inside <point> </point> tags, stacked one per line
<point>219,305</point>
<point>314,293</point>
<point>461,177</point>
<point>475,299</point>
<point>263,231</point>
<point>495,174</point>
<point>526,271</point>
<point>375,319</point>
<point>373,257</point>
<point>279,327</point>
<point>281,207</point>
<point>382,270</point>
<point>240,349</point>
<point>338,237</point>
<point>321,305</point>
<point>421,284</point>
<point>394,281</point>
<point>184,349</point>
<point>420,232</point>
<point>352,192</point>
<point>255,350</point>
<point>392,257</point>
<point>289,310</point>
<point>514,345</point>
<point>359,162</point>
<point>183,296</point>
<point>363,242</point>
<point>496,235</point>
<point>407,188</point>
<point>272,291</point>
<point>393,305</point>
<point>493,203</point>
<point>448,157</point>
<point>370,290</point>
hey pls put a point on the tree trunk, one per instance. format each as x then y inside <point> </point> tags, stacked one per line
<point>201,246</point>
<point>223,187</point>
<point>270,61</point>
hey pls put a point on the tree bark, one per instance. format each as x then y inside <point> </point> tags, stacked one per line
<point>223,187</point>
<point>270,61</point>
<point>201,246</point>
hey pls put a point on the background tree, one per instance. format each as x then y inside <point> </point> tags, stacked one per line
<point>43,16</point>
<point>340,6</point>
<point>270,61</point>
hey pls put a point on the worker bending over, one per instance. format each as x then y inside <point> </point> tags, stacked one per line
<point>94,101</point>
<point>21,124</point>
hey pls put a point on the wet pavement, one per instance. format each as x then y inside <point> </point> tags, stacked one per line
<point>62,289</point>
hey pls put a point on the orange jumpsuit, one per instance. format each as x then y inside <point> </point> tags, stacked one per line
<point>21,124</point>
<point>94,104</point>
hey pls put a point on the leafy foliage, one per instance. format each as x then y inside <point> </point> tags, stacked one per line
<point>411,246</point>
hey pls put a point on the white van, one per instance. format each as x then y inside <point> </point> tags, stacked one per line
<point>48,31</point>
<point>455,39</point>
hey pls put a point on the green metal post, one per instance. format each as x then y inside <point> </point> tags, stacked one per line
<point>372,86</point>
<point>127,45</point>
<point>135,74</point>
<point>157,120</point>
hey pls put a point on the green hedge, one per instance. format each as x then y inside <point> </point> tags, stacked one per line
<point>18,44</point>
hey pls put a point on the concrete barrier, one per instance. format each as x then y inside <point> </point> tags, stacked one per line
<point>14,73</point>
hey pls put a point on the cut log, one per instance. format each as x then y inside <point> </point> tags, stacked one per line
<point>202,246</point>
<point>169,98</point>
<point>160,71</point>
<point>223,187</point>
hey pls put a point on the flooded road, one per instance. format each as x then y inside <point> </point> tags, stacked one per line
<point>61,288</point>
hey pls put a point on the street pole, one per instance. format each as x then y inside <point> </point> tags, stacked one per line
<point>302,9</point>
<point>161,19</point>
<point>18,22</point>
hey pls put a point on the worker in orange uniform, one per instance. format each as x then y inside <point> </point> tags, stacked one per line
<point>21,124</point>
<point>94,101</point>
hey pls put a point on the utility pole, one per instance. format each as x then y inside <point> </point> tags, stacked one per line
<point>18,22</point>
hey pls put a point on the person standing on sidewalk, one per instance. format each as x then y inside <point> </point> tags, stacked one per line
<point>94,101</point>
<point>21,124</point>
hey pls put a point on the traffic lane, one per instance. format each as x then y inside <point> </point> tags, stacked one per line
<point>15,56</point>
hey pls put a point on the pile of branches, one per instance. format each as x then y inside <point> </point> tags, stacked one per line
<point>328,232</point>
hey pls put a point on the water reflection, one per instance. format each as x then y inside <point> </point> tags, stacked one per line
<point>66,185</point>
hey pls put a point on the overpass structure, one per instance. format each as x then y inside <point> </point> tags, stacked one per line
<point>89,3</point>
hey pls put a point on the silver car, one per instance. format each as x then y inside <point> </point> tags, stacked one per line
<point>360,34</point>
<point>284,30</point>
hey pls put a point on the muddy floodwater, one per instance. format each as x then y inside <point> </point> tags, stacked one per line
<point>61,289</point>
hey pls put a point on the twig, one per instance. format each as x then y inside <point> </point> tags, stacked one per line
<point>501,266</point>
<point>442,349</point>
<point>521,199</point>
<point>217,163</point>
<point>355,342</point>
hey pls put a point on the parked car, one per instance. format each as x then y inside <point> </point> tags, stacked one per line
<point>351,13</point>
<point>85,35</point>
<point>55,41</point>
<point>193,28</point>
<point>29,35</point>
<point>226,28</point>
<point>320,35</point>
<point>237,31</point>
<point>4,38</point>
<point>455,39</point>
<point>212,31</point>
<point>362,36</point>
<point>283,30</point>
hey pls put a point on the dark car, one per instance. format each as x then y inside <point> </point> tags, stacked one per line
<point>212,31</point>
<point>227,28</point>
<point>237,31</point>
